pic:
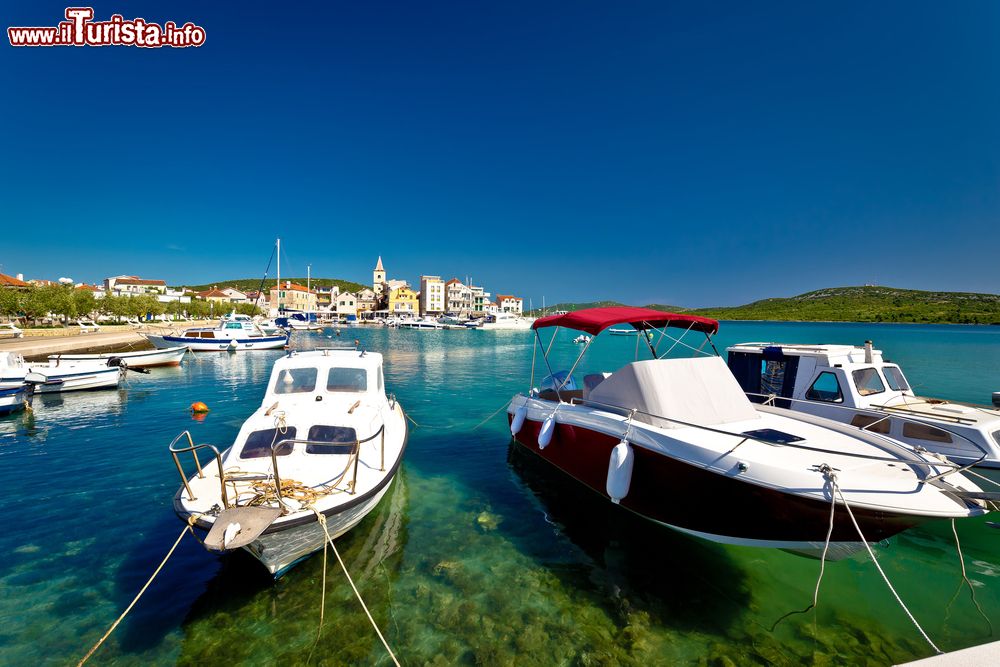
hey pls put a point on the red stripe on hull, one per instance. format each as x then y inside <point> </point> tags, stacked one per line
<point>686,496</point>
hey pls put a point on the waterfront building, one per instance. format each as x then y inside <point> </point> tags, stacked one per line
<point>403,302</point>
<point>366,300</point>
<point>431,295</point>
<point>347,305</point>
<point>235,295</point>
<point>326,297</point>
<point>96,290</point>
<point>292,296</point>
<point>214,295</point>
<point>479,299</point>
<point>458,298</point>
<point>490,308</point>
<point>132,285</point>
<point>12,282</point>
<point>509,304</point>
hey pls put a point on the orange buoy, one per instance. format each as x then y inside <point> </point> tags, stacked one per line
<point>198,407</point>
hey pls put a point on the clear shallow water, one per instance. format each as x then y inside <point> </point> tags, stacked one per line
<point>477,556</point>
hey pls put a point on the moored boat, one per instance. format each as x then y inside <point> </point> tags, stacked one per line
<point>856,385</point>
<point>59,377</point>
<point>15,398</point>
<point>504,322</point>
<point>677,441</point>
<point>326,440</point>
<point>171,356</point>
<point>233,333</point>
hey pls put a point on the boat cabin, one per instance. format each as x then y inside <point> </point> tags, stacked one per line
<point>854,384</point>
<point>856,377</point>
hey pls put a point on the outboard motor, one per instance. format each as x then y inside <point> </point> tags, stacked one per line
<point>996,399</point>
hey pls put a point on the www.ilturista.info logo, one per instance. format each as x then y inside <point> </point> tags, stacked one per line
<point>79,29</point>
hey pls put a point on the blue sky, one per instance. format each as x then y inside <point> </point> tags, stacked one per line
<point>685,153</point>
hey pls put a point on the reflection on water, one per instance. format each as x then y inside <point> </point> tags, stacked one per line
<point>477,555</point>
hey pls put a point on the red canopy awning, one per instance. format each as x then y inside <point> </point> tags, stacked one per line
<point>596,320</point>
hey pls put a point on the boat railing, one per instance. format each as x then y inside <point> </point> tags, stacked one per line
<point>352,462</point>
<point>175,450</point>
<point>743,437</point>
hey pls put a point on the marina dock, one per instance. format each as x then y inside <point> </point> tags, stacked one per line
<point>56,341</point>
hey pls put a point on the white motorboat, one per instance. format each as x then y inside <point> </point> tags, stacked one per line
<point>58,377</point>
<point>326,439</point>
<point>299,322</point>
<point>858,386</point>
<point>269,326</point>
<point>505,321</point>
<point>678,442</point>
<point>233,333</point>
<point>582,338</point>
<point>421,323</point>
<point>171,356</point>
<point>15,398</point>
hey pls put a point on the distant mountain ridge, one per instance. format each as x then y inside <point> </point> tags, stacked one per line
<point>869,303</point>
<point>253,284</point>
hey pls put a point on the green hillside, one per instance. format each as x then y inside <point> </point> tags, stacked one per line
<point>868,304</point>
<point>252,284</point>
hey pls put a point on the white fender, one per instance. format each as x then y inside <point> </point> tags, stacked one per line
<point>518,421</point>
<point>620,471</point>
<point>545,433</point>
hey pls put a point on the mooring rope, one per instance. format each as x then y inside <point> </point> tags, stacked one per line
<point>836,488</point>
<point>822,561</point>
<point>965,578</point>
<point>322,522</point>
<point>454,426</point>
<point>138,595</point>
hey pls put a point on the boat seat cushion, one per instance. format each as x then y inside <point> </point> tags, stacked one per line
<point>566,394</point>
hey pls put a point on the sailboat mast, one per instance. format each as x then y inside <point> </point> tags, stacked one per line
<point>279,264</point>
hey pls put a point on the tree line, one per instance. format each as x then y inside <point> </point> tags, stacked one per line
<point>66,303</point>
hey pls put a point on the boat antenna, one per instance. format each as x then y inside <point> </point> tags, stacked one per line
<point>260,288</point>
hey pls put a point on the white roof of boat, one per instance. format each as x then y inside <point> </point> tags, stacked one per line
<point>328,357</point>
<point>831,352</point>
<point>698,391</point>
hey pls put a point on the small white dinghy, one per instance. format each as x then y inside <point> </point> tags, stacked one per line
<point>170,356</point>
<point>59,377</point>
<point>326,440</point>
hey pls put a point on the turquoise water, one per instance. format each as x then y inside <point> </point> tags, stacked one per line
<point>477,556</point>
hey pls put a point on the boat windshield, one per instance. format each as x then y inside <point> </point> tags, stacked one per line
<point>894,376</point>
<point>868,381</point>
<point>259,443</point>
<point>295,381</point>
<point>347,380</point>
<point>341,439</point>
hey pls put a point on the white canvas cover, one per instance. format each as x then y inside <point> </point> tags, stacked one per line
<point>698,391</point>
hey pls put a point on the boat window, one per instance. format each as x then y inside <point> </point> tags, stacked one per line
<point>773,436</point>
<point>208,334</point>
<point>868,381</point>
<point>826,387</point>
<point>295,381</point>
<point>347,379</point>
<point>996,436</point>
<point>895,378</point>
<point>925,432</point>
<point>234,325</point>
<point>342,439</point>
<point>867,421</point>
<point>259,443</point>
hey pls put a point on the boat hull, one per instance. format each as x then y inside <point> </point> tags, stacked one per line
<point>171,356</point>
<point>105,378</point>
<point>219,344</point>
<point>706,504</point>
<point>14,399</point>
<point>278,551</point>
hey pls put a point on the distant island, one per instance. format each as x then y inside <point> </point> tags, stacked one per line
<point>846,304</point>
